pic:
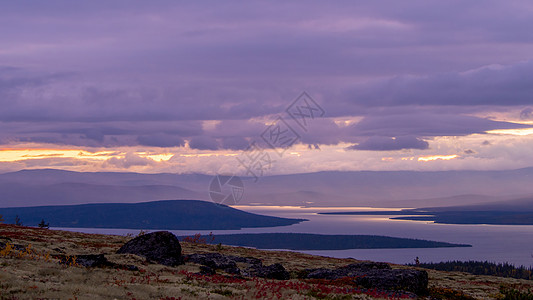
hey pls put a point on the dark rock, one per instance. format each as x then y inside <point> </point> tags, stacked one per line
<point>350,270</point>
<point>322,274</point>
<point>90,260</point>
<point>215,261</point>
<point>161,247</point>
<point>93,260</point>
<point>228,263</point>
<point>375,276</point>
<point>129,267</point>
<point>246,260</point>
<point>205,270</point>
<point>19,247</point>
<point>275,271</point>
<point>233,270</point>
<point>367,265</point>
<point>5,238</point>
<point>58,250</point>
<point>415,281</point>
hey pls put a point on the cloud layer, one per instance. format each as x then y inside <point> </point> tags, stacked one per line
<point>212,76</point>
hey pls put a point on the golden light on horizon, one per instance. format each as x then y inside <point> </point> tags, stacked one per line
<point>11,155</point>
<point>437,157</point>
<point>156,157</point>
<point>520,132</point>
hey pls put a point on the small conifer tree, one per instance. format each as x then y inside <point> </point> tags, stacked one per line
<point>18,222</point>
<point>42,224</point>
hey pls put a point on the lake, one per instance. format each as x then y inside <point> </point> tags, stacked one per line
<point>497,243</point>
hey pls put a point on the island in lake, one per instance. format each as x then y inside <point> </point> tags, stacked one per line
<point>308,241</point>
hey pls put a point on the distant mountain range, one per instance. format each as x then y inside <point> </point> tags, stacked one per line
<point>170,214</point>
<point>335,188</point>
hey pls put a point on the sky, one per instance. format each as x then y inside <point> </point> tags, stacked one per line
<point>199,87</point>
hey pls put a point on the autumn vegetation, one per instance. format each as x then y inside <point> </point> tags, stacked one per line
<point>30,268</point>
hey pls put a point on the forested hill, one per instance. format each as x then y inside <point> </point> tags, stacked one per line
<point>167,214</point>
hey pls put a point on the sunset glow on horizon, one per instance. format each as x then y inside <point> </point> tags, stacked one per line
<point>190,89</point>
<point>437,157</point>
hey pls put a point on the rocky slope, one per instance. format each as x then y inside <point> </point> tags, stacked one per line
<point>47,264</point>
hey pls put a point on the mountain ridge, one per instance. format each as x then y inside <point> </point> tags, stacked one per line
<point>325,188</point>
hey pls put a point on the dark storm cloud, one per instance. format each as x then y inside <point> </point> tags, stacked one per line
<point>325,132</point>
<point>390,130</point>
<point>381,143</point>
<point>427,124</point>
<point>161,140</point>
<point>204,143</point>
<point>493,85</point>
<point>68,98</point>
<point>104,134</point>
<point>235,143</point>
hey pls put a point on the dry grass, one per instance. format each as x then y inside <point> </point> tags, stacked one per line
<point>39,276</point>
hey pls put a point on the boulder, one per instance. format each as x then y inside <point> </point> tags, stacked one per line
<point>275,271</point>
<point>246,260</point>
<point>214,261</point>
<point>351,270</point>
<point>92,261</point>
<point>205,270</point>
<point>366,266</point>
<point>415,281</point>
<point>228,263</point>
<point>161,247</point>
<point>322,273</point>
<point>5,238</point>
<point>378,276</point>
<point>89,260</point>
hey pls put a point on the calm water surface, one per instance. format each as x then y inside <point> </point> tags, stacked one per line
<point>498,243</point>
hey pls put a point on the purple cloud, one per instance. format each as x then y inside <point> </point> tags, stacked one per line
<point>161,140</point>
<point>526,114</point>
<point>204,143</point>
<point>492,85</point>
<point>381,143</point>
<point>427,124</point>
<point>129,160</point>
<point>138,74</point>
